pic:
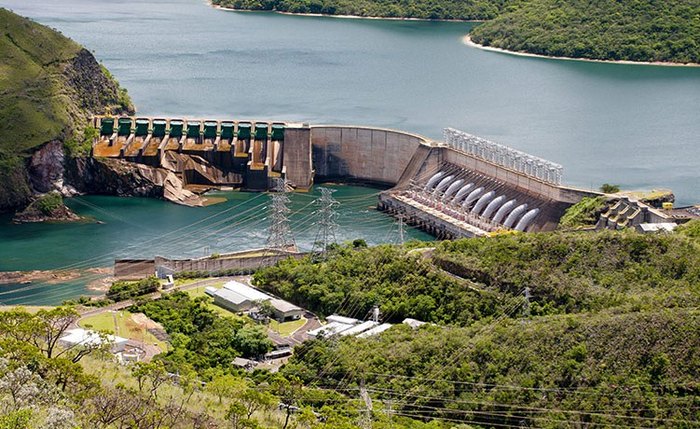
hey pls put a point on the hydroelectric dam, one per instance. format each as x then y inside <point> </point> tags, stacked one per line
<point>463,186</point>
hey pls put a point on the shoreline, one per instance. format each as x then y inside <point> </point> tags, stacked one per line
<point>467,40</point>
<point>326,15</point>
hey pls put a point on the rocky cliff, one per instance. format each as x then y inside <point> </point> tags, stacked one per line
<point>49,88</point>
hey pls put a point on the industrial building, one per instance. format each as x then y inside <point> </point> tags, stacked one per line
<point>238,297</point>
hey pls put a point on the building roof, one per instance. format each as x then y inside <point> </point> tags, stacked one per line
<point>85,337</point>
<point>413,323</point>
<point>655,227</point>
<point>231,296</point>
<point>376,330</point>
<point>283,306</point>
<point>342,319</point>
<point>249,293</point>
<point>329,329</point>
<point>358,329</point>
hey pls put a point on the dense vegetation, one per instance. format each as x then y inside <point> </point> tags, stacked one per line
<point>199,336</point>
<point>585,213</point>
<point>565,273</point>
<point>639,30</point>
<point>123,290</point>
<point>635,30</point>
<point>423,9</point>
<point>607,337</point>
<point>49,87</point>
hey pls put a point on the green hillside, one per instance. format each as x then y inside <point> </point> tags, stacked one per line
<point>634,30</point>
<point>49,86</point>
<point>644,30</point>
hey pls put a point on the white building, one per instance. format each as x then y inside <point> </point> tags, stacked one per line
<point>84,338</point>
<point>375,331</point>
<point>358,329</point>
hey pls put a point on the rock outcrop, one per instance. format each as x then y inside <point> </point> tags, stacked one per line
<point>54,88</point>
<point>109,176</point>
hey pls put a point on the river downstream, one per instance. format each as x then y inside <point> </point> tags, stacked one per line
<point>637,126</point>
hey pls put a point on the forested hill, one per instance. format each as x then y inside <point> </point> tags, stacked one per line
<point>641,30</point>
<point>49,87</point>
<point>419,9</point>
<point>634,30</point>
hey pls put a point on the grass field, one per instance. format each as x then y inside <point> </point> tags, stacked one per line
<point>199,291</point>
<point>122,325</point>
<point>287,328</point>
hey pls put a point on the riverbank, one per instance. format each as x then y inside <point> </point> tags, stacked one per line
<point>469,42</point>
<point>326,15</point>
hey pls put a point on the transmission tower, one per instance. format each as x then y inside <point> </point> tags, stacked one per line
<point>526,308</point>
<point>402,229</point>
<point>280,235</point>
<point>326,221</point>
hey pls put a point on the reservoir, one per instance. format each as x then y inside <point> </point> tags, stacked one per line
<point>632,125</point>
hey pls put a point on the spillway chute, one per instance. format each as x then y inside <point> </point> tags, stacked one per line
<point>515,215</point>
<point>503,211</point>
<point>433,180</point>
<point>493,206</point>
<point>526,220</point>
<point>483,201</point>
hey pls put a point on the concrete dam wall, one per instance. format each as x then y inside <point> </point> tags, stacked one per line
<point>461,186</point>
<point>363,154</point>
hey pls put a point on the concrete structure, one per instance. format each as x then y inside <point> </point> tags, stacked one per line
<point>238,262</point>
<point>284,311</point>
<point>358,329</point>
<point>84,338</point>
<point>375,331</point>
<point>462,186</point>
<point>329,330</point>
<point>238,297</point>
<point>342,319</point>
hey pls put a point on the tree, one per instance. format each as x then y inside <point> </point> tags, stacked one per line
<point>226,386</point>
<point>255,399</point>
<point>607,188</point>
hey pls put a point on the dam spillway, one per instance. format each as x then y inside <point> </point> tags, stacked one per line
<point>462,186</point>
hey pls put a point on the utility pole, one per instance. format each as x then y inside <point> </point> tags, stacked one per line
<point>366,419</point>
<point>326,222</point>
<point>280,235</point>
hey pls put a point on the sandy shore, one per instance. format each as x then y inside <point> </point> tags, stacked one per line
<point>469,42</point>
<point>386,18</point>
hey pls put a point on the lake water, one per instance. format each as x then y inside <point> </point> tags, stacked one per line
<point>637,126</point>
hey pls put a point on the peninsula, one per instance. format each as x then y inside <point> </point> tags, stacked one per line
<point>636,31</point>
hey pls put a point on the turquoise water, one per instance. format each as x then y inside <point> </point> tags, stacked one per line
<point>142,228</point>
<point>637,126</point>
